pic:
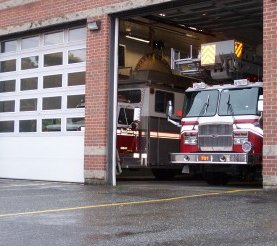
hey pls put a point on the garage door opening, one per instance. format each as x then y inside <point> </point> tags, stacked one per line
<point>163,52</point>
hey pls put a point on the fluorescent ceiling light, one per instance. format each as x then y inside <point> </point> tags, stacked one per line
<point>138,39</point>
<point>190,35</point>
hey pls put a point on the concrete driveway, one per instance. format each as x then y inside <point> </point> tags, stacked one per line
<point>136,213</point>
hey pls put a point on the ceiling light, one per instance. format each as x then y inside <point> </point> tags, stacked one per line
<point>192,28</point>
<point>162,14</point>
<point>190,35</point>
<point>137,39</point>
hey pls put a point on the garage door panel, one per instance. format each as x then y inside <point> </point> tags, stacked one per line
<point>42,81</point>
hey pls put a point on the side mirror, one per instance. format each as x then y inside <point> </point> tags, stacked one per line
<point>261,103</point>
<point>169,109</point>
<point>169,114</point>
<point>136,114</point>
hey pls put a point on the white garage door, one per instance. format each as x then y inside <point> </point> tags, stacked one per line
<point>42,93</point>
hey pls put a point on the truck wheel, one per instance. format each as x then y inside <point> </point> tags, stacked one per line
<point>165,174</point>
<point>217,178</point>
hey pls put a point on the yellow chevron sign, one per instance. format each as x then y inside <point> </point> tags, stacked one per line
<point>208,54</point>
<point>238,49</point>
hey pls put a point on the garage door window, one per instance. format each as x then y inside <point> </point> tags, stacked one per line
<point>75,101</point>
<point>29,62</point>
<point>52,81</point>
<point>28,104</point>
<point>77,34</point>
<point>7,126</point>
<point>42,83</point>
<point>53,59</point>
<point>53,38</point>
<point>78,78</point>
<point>7,66</point>
<point>29,43</point>
<point>75,124</point>
<point>50,103</point>
<point>7,86</point>
<point>29,84</point>
<point>7,106</point>
<point>27,126</point>
<point>51,125</point>
<point>75,56</point>
<point>8,46</point>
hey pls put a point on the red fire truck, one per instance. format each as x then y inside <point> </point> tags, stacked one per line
<point>221,130</point>
<point>144,136</point>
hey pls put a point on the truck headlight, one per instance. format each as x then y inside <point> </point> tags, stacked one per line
<point>190,138</point>
<point>247,146</point>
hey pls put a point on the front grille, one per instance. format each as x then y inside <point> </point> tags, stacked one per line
<point>215,137</point>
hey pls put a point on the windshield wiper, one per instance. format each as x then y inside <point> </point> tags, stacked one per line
<point>203,110</point>
<point>229,106</point>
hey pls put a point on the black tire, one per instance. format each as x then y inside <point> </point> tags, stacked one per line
<point>217,178</point>
<point>165,174</point>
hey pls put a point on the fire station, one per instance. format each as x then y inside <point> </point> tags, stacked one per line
<point>82,81</point>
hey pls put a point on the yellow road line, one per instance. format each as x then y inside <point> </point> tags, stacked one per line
<point>119,204</point>
<point>51,184</point>
<point>23,185</point>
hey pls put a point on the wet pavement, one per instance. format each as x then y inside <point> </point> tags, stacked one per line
<point>144,212</point>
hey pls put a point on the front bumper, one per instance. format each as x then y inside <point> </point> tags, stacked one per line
<point>214,158</point>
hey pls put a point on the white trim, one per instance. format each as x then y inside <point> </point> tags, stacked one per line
<point>115,84</point>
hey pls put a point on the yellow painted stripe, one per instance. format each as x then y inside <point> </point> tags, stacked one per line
<point>120,204</point>
<point>24,185</point>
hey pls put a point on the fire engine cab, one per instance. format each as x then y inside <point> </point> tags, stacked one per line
<point>221,130</point>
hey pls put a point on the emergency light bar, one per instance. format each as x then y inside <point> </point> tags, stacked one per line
<point>200,85</point>
<point>241,82</point>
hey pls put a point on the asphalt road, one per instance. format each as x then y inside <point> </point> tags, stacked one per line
<point>183,212</point>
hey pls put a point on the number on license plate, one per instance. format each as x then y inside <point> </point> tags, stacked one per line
<point>204,158</point>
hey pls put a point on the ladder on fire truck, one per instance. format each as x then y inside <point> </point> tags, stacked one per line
<point>184,66</point>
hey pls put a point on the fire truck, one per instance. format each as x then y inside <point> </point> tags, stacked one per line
<point>144,136</point>
<point>221,131</point>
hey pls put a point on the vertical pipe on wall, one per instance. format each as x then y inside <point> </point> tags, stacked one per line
<point>113,81</point>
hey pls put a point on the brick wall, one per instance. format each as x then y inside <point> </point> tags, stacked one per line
<point>45,9</point>
<point>97,102</point>
<point>270,92</point>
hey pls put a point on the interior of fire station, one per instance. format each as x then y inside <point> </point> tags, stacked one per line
<point>161,53</point>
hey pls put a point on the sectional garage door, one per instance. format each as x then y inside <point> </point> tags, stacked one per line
<point>42,93</point>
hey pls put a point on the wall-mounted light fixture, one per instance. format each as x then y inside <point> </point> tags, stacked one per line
<point>137,38</point>
<point>94,25</point>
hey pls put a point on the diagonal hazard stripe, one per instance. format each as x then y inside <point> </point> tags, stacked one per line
<point>208,54</point>
<point>238,49</point>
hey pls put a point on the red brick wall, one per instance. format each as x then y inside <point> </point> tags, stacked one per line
<point>270,92</point>
<point>46,9</point>
<point>97,95</point>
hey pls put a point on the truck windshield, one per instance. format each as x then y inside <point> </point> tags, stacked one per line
<point>126,116</point>
<point>239,101</point>
<point>129,96</point>
<point>201,103</point>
